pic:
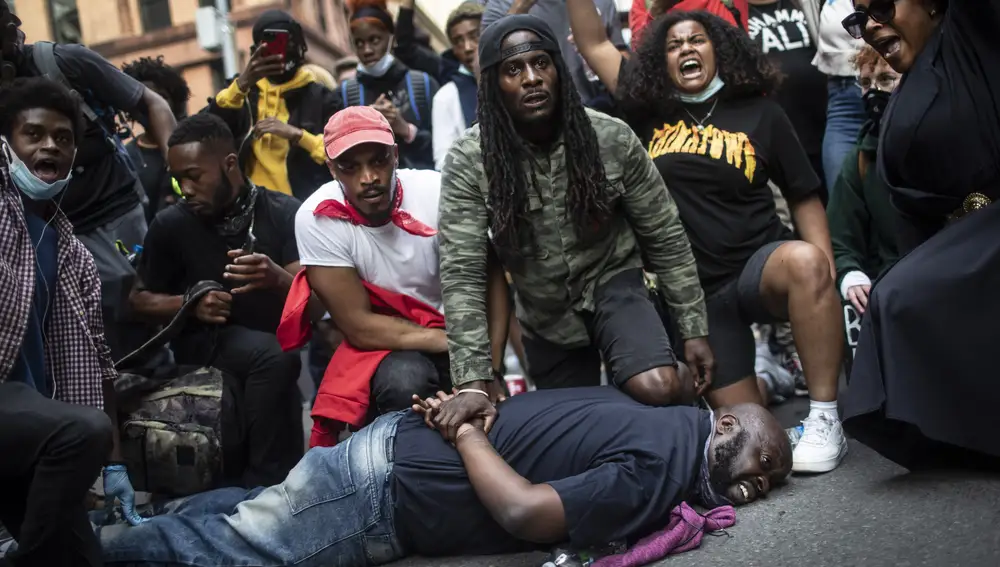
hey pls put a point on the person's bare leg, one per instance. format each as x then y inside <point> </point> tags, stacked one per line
<point>744,391</point>
<point>662,386</point>
<point>797,285</point>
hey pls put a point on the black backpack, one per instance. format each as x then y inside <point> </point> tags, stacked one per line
<point>353,93</point>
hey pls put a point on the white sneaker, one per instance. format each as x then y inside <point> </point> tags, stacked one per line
<point>821,447</point>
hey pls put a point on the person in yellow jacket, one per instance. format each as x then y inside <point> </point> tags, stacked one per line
<point>277,108</point>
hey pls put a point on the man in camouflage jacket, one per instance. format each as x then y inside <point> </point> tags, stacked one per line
<point>575,209</point>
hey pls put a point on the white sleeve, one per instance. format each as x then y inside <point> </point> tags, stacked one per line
<point>442,123</point>
<point>323,241</point>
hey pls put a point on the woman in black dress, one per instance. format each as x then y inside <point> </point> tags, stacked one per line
<point>925,379</point>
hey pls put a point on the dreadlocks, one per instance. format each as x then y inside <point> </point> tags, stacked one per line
<point>505,155</point>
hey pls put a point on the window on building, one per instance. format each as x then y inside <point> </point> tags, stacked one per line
<point>65,20</point>
<point>218,75</point>
<point>155,14</point>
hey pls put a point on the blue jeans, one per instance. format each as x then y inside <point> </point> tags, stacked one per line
<point>335,509</point>
<point>845,113</point>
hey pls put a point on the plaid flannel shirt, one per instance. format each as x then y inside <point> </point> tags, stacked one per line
<point>76,354</point>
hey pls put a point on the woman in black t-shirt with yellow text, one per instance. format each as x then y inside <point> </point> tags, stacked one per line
<point>695,94</point>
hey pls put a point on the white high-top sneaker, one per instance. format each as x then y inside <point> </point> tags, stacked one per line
<point>821,447</point>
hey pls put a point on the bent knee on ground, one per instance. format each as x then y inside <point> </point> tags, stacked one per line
<point>661,386</point>
<point>90,432</point>
<point>401,375</point>
<point>806,265</point>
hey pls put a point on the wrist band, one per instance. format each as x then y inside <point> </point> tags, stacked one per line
<point>476,390</point>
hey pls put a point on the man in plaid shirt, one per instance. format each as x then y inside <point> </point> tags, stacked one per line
<point>55,366</point>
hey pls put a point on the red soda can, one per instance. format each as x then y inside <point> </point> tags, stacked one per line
<point>515,384</point>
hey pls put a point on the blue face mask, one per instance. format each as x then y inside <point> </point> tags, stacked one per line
<point>25,180</point>
<point>711,90</point>
<point>380,68</point>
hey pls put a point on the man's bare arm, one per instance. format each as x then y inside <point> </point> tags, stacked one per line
<point>154,307</point>
<point>340,290</point>
<point>529,512</point>
<point>521,6</point>
<point>315,308</point>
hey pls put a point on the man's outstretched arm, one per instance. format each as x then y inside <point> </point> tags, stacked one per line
<point>529,512</point>
<point>462,230</point>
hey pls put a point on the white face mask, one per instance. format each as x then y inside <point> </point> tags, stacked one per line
<point>380,68</point>
<point>28,183</point>
<point>710,90</point>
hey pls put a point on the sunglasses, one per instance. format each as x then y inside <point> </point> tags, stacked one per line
<point>882,11</point>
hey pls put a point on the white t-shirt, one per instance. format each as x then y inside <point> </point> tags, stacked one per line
<point>448,122</point>
<point>386,256</point>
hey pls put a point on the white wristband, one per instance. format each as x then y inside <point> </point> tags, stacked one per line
<point>476,390</point>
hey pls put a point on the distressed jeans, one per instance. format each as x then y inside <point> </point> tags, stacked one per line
<point>335,509</point>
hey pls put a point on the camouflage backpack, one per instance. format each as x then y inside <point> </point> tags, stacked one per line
<point>172,437</point>
<point>171,433</point>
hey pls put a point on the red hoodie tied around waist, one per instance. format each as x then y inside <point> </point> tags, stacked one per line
<point>345,392</point>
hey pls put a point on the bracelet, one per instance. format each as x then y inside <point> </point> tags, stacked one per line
<point>476,390</point>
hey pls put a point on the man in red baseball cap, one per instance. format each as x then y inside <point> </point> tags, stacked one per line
<point>368,243</point>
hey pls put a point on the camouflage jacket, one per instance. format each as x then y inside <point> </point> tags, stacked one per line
<point>555,285</point>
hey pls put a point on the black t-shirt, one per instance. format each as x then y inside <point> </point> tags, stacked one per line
<point>719,178</point>
<point>780,31</point>
<point>181,250</point>
<point>618,466</point>
<point>153,175</point>
<point>103,186</point>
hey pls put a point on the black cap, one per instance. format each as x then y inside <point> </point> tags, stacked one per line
<point>490,53</point>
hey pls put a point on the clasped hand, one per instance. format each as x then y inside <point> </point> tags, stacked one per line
<point>430,409</point>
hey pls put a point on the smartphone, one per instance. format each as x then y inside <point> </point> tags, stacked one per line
<point>250,245</point>
<point>276,40</point>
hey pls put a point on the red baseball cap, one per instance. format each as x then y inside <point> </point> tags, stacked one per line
<point>353,126</point>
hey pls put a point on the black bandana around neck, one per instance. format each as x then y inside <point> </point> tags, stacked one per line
<point>704,491</point>
<point>240,215</point>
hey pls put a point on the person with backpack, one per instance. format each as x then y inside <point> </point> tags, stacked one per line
<point>276,109</point>
<point>402,95</point>
<point>148,159</point>
<point>104,200</point>
<point>55,370</point>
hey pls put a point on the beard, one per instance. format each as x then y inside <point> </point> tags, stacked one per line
<point>723,470</point>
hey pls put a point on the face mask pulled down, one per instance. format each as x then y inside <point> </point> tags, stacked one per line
<point>33,187</point>
<point>379,68</point>
<point>705,95</point>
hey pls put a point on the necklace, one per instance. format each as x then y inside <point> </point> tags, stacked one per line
<point>701,123</point>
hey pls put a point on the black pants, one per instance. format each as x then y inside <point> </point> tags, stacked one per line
<point>626,331</point>
<point>404,373</point>
<point>261,379</point>
<point>52,454</point>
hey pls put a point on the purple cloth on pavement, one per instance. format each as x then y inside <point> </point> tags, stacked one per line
<point>683,533</point>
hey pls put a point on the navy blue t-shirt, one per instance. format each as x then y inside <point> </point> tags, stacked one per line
<point>30,365</point>
<point>618,466</point>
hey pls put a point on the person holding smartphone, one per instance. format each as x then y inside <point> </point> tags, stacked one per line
<point>276,108</point>
<point>232,234</point>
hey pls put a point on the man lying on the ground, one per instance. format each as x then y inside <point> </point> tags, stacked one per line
<point>583,465</point>
<point>368,241</point>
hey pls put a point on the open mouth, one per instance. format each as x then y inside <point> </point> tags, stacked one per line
<point>690,68</point>
<point>47,170</point>
<point>887,46</point>
<point>372,197</point>
<point>748,490</point>
<point>534,100</point>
